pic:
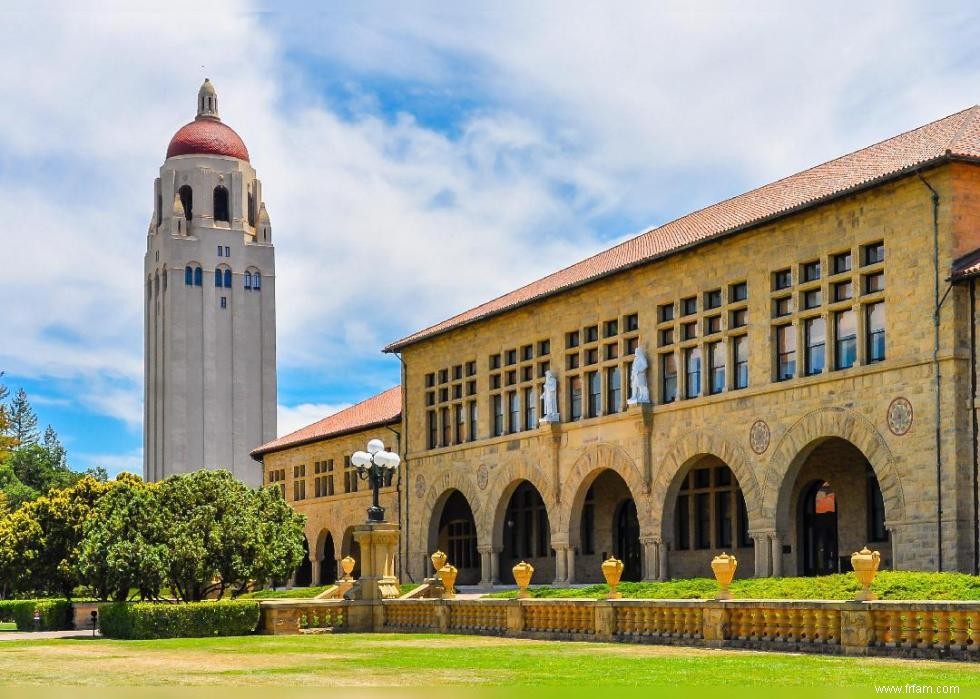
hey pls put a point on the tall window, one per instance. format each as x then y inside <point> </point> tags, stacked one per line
<point>187,201</point>
<point>198,276</point>
<point>668,377</point>
<point>710,511</point>
<point>514,411</point>
<point>227,274</point>
<point>446,426</point>
<point>595,393</point>
<point>815,332</point>
<point>188,275</point>
<point>845,330</point>
<point>692,364</point>
<point>460,422</point>
<point>530,409</point>
<point>218,278</point>
<point>716,355</point>
<point>433,429</point>
<point>575,397</point>
<point>473,417</point>
<point>786,352</point>
<point>350,476</point>
<point>740,352</point>
<point>256,281</point>
<point>614,390</point>
<point>498,415</point>
<point>221,204</point>
<point>248,280</point>
<point>875,316</point>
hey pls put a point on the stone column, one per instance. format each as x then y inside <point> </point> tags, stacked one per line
<point>495,565</point>
<point>664,572</point>
<point>315,578</point>
<point>651,558</point>
<point>561,558</point>
<point>379,548</point>
<point>761,548</point>
<point>340,571</point>
<point>776,544</point>
<point>570,565</point>
<point>486,566</point>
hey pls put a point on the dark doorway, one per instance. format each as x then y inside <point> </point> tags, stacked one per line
<point>819,529</point>
<point>304,573</point>
<point>628,541</point>
<point>457,538</point>
<point>221,204</point>
<point>187,201</point>
<point>527,533</point>
<point>328,564</point>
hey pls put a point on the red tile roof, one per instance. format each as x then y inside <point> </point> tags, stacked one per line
<point>207,136</point>
<point>382,409</point>
<point>955,136</point>
<point>967,266</point>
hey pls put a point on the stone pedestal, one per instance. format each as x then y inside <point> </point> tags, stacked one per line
<point>379,550</point>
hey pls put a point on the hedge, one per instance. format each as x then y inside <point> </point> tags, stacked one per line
<point>189,620</point>
<point>56,614</point>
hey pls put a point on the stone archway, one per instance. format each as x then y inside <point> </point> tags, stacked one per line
<point>441,488</point>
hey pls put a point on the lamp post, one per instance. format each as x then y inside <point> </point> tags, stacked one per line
<point>372,466</point>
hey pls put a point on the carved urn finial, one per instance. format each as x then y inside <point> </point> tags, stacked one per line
<point>612,569</point>
<point>347,565</point>
<point>865,564</point>
<point>447,576</point>
<point>522,576</point>
<point>724,567</point>
<point>438,559</point>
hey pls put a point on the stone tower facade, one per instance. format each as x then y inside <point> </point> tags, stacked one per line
<point>210,312</point>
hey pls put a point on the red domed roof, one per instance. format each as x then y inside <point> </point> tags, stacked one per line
<point>207,136</point>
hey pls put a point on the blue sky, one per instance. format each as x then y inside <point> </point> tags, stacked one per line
<point>461,150</point>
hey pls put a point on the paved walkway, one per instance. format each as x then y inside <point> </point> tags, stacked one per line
<point>39,635</point>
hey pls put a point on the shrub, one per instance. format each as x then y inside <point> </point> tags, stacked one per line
<point>190,620</point>
<point>56,614</point>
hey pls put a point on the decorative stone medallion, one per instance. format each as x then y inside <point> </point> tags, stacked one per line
<point>900,416</point>
<point>482,476</point>
<point>759,436</point>
<point>419,486</point>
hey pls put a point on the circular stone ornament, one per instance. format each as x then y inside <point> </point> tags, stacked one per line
<point>759,436</point>
<point>482,476</point>
<point>900,416</point>
<point>419,485</point>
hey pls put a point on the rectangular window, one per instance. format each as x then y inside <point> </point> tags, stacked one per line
<point>712,325</point>
<point>811,271</point>
<point>716,359</point>
<point>530,409</point>
<point>785,352</point>
<point>783,307</point>
<point>842,263</point>
<point>815,337</point>
<point>591,356</point>
<point>683,519</point>
<point>723,519</point>
<point>572,361</point>
<point>460,422</point>
<point>689,331</point>
<point>227,251</point>
<point>874,253</point>
<point>221,251</point>
<point>527,353</point>
<point>702,520</point>
<point>510,357</point>
<point>692,364</point>
<point>845,331</point>
<point>544,347</point>
<point>611,328</point>
<point>873,283</point>
<point>614,390</point>
<point>471,368</point>
<point>689,306</point>
<point>592,333</point>
<point>443,375</point>
<point>668,377</point>
<point>632,322</point>
<point>514,411</point>
<point>875,320</point>
<point>812,299</point>
<point>783,279</point>
<point>738,318</point>
<point>666,337</point>
<point>471,433</point>
<point>446,427</point>
<point>595,393</point>
<point>712,299</point>
<point>457,372</point>
<point>738,292</point>
<point>433,429</point>
<point>740,352</point>
<point>575,397</point>
<point>666,313</point>
<point>224,302</point>
<point>572,339</point>
<point>843,291</point>
<point>612,350</point>
<point>498,414</point>
<point>494,361</point>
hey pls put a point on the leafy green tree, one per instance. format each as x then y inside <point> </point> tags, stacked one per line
<point>23,419</point>
<point>39,469</point>
<point>57,456</point>
<point>19,533</point>
<point>7,441</point>
<point>14,491</point>
<point>221,534</point>
<point>124,543</point>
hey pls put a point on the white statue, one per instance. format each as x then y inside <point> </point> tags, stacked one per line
<point>638,379</point>
<point>550,398</point>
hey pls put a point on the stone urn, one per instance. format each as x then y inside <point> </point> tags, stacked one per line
<point>612,569</point>
<point>439,559</point>
<point>447,576</point>
<point>865,564</point>
<point>347,565</point>
<point>724,567</point>
<point>522,576</point>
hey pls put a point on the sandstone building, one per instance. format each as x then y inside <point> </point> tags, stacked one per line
<point>210,312</point>
<point>812,388</point>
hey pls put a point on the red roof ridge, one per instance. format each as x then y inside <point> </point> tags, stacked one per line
<point>379,409</point>
<point>850,172</point>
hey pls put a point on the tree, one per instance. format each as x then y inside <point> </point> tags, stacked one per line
<point>124,543</point>
<point>38,468</point>
<point>221,534</point>
<point>7,441</point>
<point>23,419</point>
<point>15,492</point>
<point>57,455</point>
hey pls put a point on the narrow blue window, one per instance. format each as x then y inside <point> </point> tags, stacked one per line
<point>188,275</point>
<point>256,281</point>
<point>217,277</point>
<point>227,278</point>
<point>198,276</point>
<point>248,280</point>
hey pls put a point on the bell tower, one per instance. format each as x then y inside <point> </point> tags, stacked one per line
<point>210,312</point>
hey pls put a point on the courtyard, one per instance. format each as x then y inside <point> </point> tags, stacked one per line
<point>417,660</point>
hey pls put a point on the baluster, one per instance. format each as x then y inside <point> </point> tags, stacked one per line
<point>961,629</point>
<point>769,625</point>
<point>833,626</point>
<point>944,636</point>
<point>926,622</point>
<point>777,624</point>
<point>792,625</point>
<point>809,631</point>
<point>819,626</point>
<point>879,622</point>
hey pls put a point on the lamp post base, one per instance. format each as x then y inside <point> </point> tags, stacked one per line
<point>379,548</point>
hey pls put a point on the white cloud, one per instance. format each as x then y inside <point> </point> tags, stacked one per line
<point>131,462</point>
<point>293,417</point>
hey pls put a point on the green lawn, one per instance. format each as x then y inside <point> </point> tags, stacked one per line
<point>895,585</point>
<point>431,660</point>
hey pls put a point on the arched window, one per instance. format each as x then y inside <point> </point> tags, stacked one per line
<point>187,200</point>
<point>227,278</point>
<point>221,204</point>
<point>198,276</point>
<point>188,275</point>
<point>248,280</point>
<point>217,278</point>
<point>256,281</point>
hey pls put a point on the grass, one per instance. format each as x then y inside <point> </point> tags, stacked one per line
<point>425,660</point>
<point>8,626</point>
<point>889,585</point>
<point>304,592</point>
